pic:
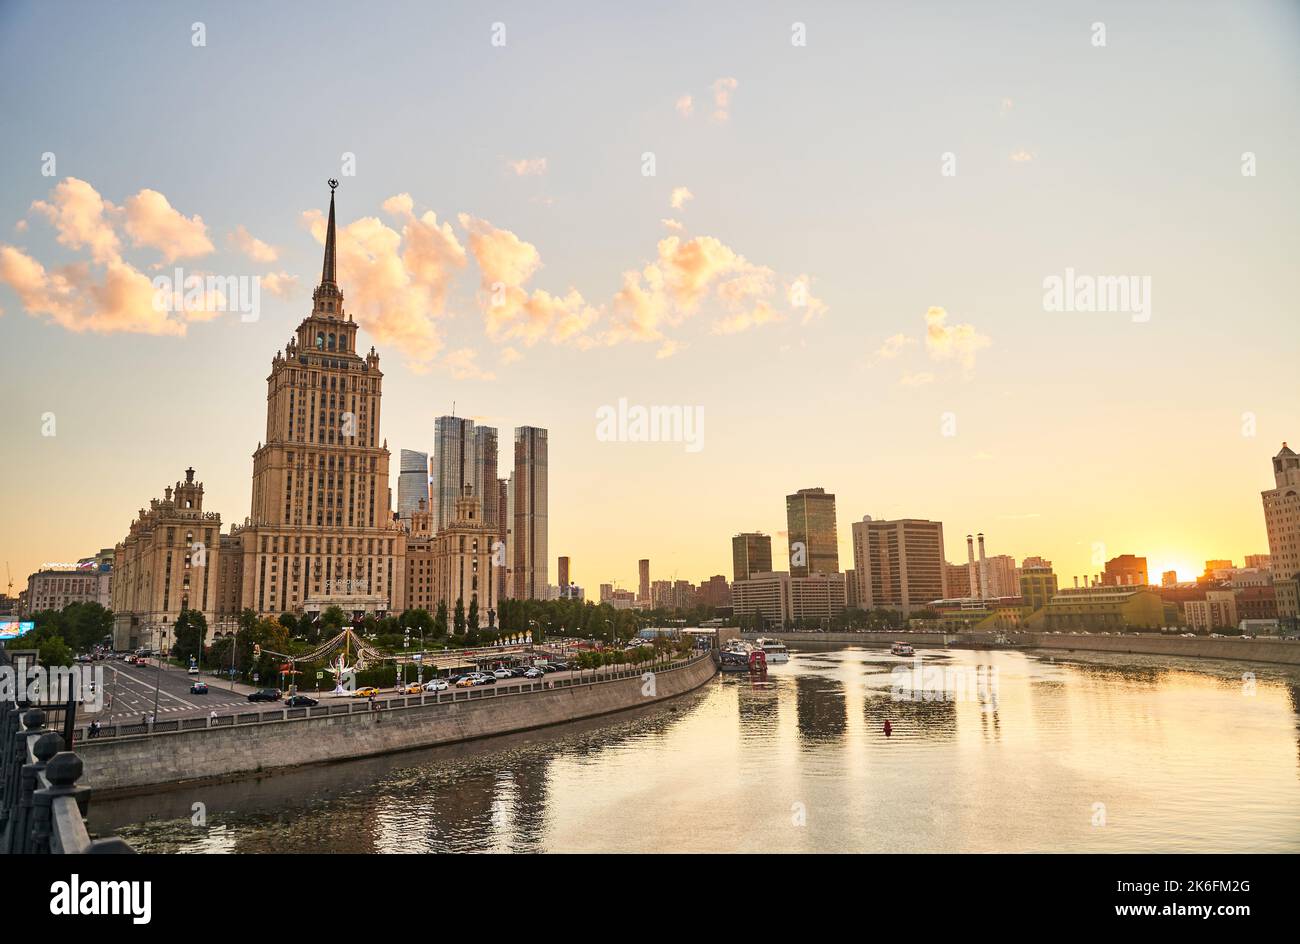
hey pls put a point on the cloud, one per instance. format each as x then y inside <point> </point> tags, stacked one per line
<point>244,241</point>
<point>799,294</point>
<point>722,92</point>
<point>667,350</point>
<point>685,106</point>
<point>463,364</point>
<point>679,197</point>
<point>397,283</point>
<point>528,166</point>
<point>894,345</point>
<point>952,342</point>
<point>81,218</point>
<point>762,313</point>
<point>506,264</point>
<point>916,380</point>
<point>280,284</point>
<point>152,221</point>
<point>510,356</point>
<point>674,225</point>
<point>1006,106</point>
<point>1022,156</point>
<point>74,299</point>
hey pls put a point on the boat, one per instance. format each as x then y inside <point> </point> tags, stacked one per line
<point>902,649</point>
<point>742,657</point>
<point>773,649</point>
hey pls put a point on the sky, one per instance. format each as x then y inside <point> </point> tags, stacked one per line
<point>836,250</point>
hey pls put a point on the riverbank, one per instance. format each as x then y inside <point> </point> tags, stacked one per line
<point>286,739</point>
<point>1201,647</point>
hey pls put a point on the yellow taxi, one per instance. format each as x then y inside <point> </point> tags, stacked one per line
<point>365,692</point>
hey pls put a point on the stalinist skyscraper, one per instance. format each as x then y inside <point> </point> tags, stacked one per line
<point>321,532</point>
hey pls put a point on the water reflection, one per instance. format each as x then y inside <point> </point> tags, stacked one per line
<point>1183,754</point>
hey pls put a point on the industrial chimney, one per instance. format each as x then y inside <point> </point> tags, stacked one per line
<point>970,566</point>
<point>984,570</point>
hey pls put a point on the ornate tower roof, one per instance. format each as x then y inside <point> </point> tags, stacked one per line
<point>327,297</point>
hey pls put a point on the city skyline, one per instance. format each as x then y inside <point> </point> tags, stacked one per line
<point>975,391</point>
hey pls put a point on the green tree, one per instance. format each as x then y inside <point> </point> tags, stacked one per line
<point>54,651</point>
<point>332,620</point>
<point>458,622</point>
<point>440,621</point>
<point>473,613</point>
<point>190,632</point>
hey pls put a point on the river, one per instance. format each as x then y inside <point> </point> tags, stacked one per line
<point>993,751</point>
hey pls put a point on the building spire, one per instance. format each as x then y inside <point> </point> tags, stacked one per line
<point>328,274</point>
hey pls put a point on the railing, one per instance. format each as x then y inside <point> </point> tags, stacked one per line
<point>42,807</point>
<point>361,706</point>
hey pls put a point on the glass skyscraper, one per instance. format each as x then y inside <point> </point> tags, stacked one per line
<point>412,483</point>
<point>814,544</point>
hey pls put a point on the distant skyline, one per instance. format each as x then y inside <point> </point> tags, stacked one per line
<point>798,268</point>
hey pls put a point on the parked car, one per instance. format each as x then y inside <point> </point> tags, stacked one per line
<point>534,673</point>
<point>266,694</point>
<point>437,685</point>
<point>199,688</point>
<point>518,671</point>
<point>300,701</point>
<point>192,670</point>
<point>465,681</point>
<point>501,674</point>
<point>484,679</point>
<point>365,692</point>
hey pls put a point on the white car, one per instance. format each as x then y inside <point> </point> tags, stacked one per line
<point>437,685</point>
<point>501,674</point>
<point>534,674</point>
<point>192,670</point>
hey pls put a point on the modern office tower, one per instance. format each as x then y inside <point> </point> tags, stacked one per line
<point>563,575</point>
<point>412,484</point>
<point>485,471</point>
<point>899,564</point>
<point>1125,571</point>
<point>810,521</point>
<point>320,531</point>
<point>501,555</point>
<point>1282,519</point>
<point>528,508</point>
<point>454,466</point>
<point>783,600</point>
<point>1037,585</point>
<point>751,553</point>
<point>643,589</point>
<point>851,588</point>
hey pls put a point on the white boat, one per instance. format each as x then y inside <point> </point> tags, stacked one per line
<point>773,649</point>
<point>902,649</point>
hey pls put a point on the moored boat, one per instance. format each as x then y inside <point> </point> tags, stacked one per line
<point>902,649</point>
<point>773,649</point>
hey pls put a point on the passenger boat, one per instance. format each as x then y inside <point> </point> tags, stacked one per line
<point>740,657</point>
<point>902,649</point>
<point>773,649</point>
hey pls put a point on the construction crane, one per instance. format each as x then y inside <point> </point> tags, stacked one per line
<point>10,574</point>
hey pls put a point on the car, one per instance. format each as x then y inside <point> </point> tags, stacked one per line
<point>412,689</point>
<point>300,701</point>
<point>365,692</point>
<point>131,660</point>
<point>518,671</point>
<point>534,673</point>
<point>266,694</point>
<point>501,674</point>
<point>436,685</point>
<point>564,666</point>
<point>199,688</point>
<point>192,670</point>
<point>465,681</point>
<point>484,679</point>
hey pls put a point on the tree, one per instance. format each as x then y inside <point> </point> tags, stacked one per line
<point>459,619</point>
<point>332,620</point>
<point>289,622</point>
<point>440,621</point>
<point>473,613</point>
<point>417,621</point>
<point>190,632</point>
<point>53,651</point>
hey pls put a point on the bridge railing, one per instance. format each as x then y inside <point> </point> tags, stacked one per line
<point>42,806</point>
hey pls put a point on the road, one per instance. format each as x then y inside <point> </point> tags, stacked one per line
<point>129,693</point>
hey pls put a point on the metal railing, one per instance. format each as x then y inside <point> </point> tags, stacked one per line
<point>42,807</point>
<point>394,703</point>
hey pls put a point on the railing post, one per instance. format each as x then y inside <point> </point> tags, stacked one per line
<point>10,764</point>
<point>24,837</point>
<point>62,771</point>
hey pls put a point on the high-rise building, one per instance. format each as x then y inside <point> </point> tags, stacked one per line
<point>714,592</point>
<point>454,465</point>
<point>1282,519</point>
<point>1125,571</point>
<point>1259,561</point>
<point>1003,580</point>
<point>563,574</point>
<point>957,578</point>
<point>501,554</point>
<point>485,471</point>
<point>168,562</point>
<point>810,522</point>
<point>321,531</point>
<point>783,600</point>
<point>1169,578</point>
<point>528,509</point>
<point>751,553</point>
<point>643,587</point>
<point>412,484</point>
<point>899,564</point>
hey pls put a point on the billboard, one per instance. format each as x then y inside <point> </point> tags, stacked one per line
<point>12,629</point>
